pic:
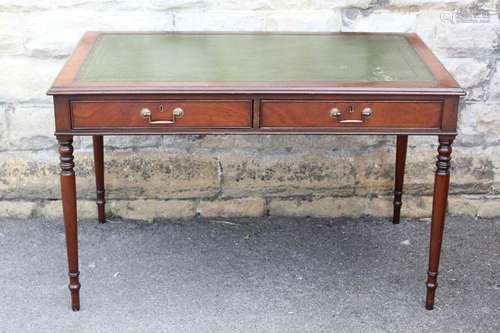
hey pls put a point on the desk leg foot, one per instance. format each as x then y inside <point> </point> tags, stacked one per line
<point>99,176</point>
<point>68,192</point>
<point>441,185</point>
<point>401,145</point>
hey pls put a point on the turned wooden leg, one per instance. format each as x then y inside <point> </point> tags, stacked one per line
<point>441,184</point>
<point>68,192</point>
<point>99,176</point>
<point>401,144</point>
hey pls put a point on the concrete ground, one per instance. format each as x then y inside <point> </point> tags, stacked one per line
<point>250,275</point>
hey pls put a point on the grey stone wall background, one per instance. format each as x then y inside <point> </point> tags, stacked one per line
<point>246,175</point>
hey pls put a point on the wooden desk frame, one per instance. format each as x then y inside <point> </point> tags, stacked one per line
<point>444,93</point>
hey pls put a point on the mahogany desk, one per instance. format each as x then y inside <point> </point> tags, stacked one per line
<point>254,83</point>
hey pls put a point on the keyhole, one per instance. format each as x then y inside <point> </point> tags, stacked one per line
<point>161,107</point>
<point>350,109</point>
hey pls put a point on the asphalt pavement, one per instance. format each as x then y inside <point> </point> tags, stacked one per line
<point>250,275</point>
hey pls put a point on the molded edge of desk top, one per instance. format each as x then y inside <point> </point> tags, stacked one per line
<point>444,85</point>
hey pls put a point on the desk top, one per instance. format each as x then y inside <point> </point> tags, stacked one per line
<point>253,62</point>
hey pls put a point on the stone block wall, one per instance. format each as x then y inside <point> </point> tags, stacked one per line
<point>222,176</point>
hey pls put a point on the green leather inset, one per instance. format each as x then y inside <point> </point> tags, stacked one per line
<point>257,57</point>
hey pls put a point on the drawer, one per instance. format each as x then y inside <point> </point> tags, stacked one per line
<point>325,114</point>
<point>161,113</point>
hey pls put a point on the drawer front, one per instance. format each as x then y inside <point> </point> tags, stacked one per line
<point>162,113</point>
<point>336,114</point>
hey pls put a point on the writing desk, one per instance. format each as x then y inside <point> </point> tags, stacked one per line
<point>254,83</point>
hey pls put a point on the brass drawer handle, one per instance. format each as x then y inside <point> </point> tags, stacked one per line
<point>335,113</point>
<point>176,113</point>
<point>367,112</point>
